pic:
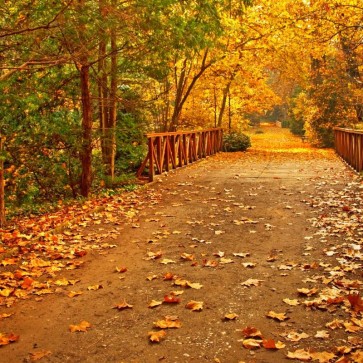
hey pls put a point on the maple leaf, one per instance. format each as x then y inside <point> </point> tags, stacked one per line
<point>230,316</point>
<point>299,354</point>
<point>251,282</point>
<point>4,315</point>
<point>154,303</point>
<point>171,299</point>
<point>219,254</point>
<point>121,269</point>
<point>151,277</point>
<point>356,302</point>
<point>293,302</point>
<point>167,261</point>
<point>248,264</point>
<point>295,337</point>
<point>194,305</point>
<point>187,257</point>
<point>74,293</point>
<point>168,324</point>
<point>241,254</point>
<point>168,276</point>
<point>357,356</point>
<point>157,336</point>
<point>6,339</point>
<point>153,255</point>
<point>122,306</point>
<point>210,263</point>
<point>322,357</point>
<point>308,292</point>
<point>251,332</point>
<point>252,343</point>
<point>277,316</point>
<point>81,327</point>
<point>322,334</point>
<point>94,287</point>
<point>34,356</point>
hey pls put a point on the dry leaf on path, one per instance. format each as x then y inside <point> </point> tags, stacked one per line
<point>251,282</point>
<point>299,354</point>
<point>308,292</point>
<point>122,306</point>
<point>156,336</point>
<point>322,357</point>
<point>230,316</point>
<point>252,343</point>
<point>250,331</point>
<point>154,303</point>
<point>34,356</point>
<point>194,305</point>
<point>94,287</point>
<point>81,327</point>
<point>277,316</point>
<point>322,334</point>
<point>294,336</point>
<point>6,339</point>
<point>171,299</point>
<point>293,302</point>
<point>271,344</point>
<point>167,324</point>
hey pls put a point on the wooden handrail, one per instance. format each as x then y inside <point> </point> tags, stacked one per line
<point>171,150</point>
<point>349,146</point>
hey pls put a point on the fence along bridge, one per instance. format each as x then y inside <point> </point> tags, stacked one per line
<point>171,150</point>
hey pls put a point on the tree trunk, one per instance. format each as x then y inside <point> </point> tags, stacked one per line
<point>353,71</point>
<point>86,151</point>
<point>2,185</point>
<point>223,104</point>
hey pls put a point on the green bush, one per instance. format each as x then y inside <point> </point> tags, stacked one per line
<point>235,141</point>
<point>285,124</point>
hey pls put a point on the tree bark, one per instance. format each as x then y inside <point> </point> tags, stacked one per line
<point>86,151</point>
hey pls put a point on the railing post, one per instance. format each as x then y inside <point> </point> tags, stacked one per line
<point>151,159</point>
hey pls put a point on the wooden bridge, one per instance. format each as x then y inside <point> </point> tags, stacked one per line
<point>349,146</point>
<point>171,150</point>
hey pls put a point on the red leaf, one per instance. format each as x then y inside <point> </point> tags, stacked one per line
<point>171,299</point>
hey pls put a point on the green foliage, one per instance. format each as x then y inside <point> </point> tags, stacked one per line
<point>285,124</point>
<point>297,126</point>
<point>234,141</point>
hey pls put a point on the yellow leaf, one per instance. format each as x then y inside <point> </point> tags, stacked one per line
<point>194,305</point>
<point>34,356</point>
<point>122,306</point>
<point>74,293</point>
<point>231,316</point>
<point>94,287</point>
<point>252,343</point>
<point>167,324</point>
<point>277,316</point>
<point>154,303</point>
<point>299,354</point>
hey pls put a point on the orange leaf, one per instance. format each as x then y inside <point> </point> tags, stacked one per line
<point>299,354</point>
<point>194,305</point>
<point>168,276</point>
<point>34,356</point>
<point>156,336</point>
<point>251,343</point>
<point>7,339</point>
<point>82,327</point>
<point>124,305</point>
<point>277,316</point>
<point>356,302</point>
<point>167,324</point>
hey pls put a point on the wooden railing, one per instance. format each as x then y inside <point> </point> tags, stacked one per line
<point>349,146</point>
<point>171,150</point>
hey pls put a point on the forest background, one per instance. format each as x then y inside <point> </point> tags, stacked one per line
<point>82,81</point>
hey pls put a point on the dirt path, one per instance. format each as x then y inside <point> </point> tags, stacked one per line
<point>251,228</point>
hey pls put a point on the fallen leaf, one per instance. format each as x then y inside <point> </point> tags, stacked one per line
<point>121,269</point>
<point>34,356</point>
<point>4,315</point>
<point>295,337</point>
<point>356,302</point>
<point>154,303</point>
<point>94,287</point>
<point>210,263</point>
<point>252,343</point>
<point>299,354</point>
<point>156,336</point>
<point>81,327</point>
<point>322,334</point>
<point>241,254</point>
<point>168,324</point>
<point>293,302</point>
<point>6,339</point>
<point>322,357</point>
<point>168,276</point>
<point>277,316</point>
<point>308,292</point>
<point>248,264</point>
<point>187,257</point>
<point>171,299</point>
<point>74,293</point>
<point>224,261</point>
<point>250,331</point>
<point>271,344</point>
<point>167,261</point>
<point>194,305</point>
<point>122,306</point>
<point>251,282</point>
<point>230,316</point>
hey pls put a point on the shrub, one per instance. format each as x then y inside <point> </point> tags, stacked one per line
<point>234,141</point>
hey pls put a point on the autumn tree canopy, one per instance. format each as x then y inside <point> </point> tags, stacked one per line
<point>81,81</point>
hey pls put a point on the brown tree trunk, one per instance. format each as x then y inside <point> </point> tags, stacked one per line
<point>223,104</point>
<point>86,151</point>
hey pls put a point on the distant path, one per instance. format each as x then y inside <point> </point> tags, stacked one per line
<point>266,217</point>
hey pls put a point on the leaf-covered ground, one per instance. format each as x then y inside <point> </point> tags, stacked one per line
<point>244,257</point>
